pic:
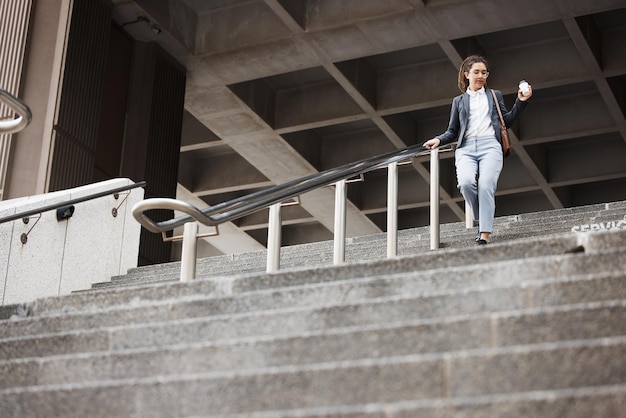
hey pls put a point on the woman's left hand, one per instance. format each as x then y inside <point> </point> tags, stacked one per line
<point>522,97</point>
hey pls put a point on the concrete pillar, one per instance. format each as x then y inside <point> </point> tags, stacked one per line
<point>14,21</point>
<point>30,149</point>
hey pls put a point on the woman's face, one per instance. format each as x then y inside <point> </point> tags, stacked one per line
<point>477,76</point>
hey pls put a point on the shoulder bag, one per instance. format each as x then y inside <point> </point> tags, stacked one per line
<point>506,144</point>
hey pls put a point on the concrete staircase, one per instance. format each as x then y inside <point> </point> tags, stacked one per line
<point>373,247</point>
<point>533,325</point>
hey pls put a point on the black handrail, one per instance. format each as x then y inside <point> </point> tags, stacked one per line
<point>245,205</point>
<point>23,111</point>
<point>70,202</point>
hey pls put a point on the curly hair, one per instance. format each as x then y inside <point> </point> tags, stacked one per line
<point>465,67</point>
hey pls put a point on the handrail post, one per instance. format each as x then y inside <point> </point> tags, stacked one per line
<point>189,252</point>
<point>339,253</point>
<point>392,209</point>
<point>434,199</point>
<point>274,238</point>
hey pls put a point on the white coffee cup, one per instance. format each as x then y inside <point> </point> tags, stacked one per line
<point>524,87</point>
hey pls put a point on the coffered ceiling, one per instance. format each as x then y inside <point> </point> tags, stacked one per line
<point>279,89</point>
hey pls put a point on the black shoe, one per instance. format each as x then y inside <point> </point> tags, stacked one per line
<point>477,235</point>
<point>482,242</point>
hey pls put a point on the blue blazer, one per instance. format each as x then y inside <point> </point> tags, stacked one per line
<point>459,117</point>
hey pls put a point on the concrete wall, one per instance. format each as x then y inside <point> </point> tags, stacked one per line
<point>63,256</point>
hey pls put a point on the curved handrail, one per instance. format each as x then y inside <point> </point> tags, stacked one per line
<point>245,205</point>
<point>20,108</point>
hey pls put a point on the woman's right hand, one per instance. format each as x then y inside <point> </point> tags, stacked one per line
<point>431,143</point>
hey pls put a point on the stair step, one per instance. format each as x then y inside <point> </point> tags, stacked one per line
<point>580,214</point>
<point>464,332</point>
<point>205,269</point>
<point>426,261</point>
<point>597,402</point>
<point>430,278</point>
<point>200,321</point>
<point>537,367</point>
<point>373,247</point>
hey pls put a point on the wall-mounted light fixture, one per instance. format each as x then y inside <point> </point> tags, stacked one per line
<point>153,27</point>
<point>65,212</point>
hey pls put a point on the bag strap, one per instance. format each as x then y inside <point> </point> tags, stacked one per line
<point>495,99</point>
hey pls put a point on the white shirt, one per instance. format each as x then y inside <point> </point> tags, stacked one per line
<point>479,124</point>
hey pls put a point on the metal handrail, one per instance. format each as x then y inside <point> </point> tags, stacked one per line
<point>35,211</point>
<point>20,108</point>
<point>245,205</point>
<point>274,197</point>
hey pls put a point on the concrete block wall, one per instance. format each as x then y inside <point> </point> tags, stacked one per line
<point>59,257</point>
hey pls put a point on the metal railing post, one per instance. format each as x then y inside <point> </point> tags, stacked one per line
<point>339,252</point>
<point>434,199</point>
<point>189,252</point>
<point>274,238</point>
<point>392,209</point>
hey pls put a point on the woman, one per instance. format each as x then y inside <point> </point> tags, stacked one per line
<point>475,124</point>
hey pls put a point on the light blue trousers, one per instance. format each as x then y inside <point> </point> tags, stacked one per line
<point>478,166</point>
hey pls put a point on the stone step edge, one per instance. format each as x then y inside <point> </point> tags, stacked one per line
<point>170,273</point>
<point>390,409</point>
<point>214,286</point>
<point>505,221</point>
<point>590,277</point>
<point>336,365</point>
<point>562,242</point>
<point>224,291</point>
<point>505,227</point>
<point>571,239</point>
<point>352,245</point>
<point>228,282</point>
<point>249,315</point>
<point>338,331</point>
<point>295,261</point>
